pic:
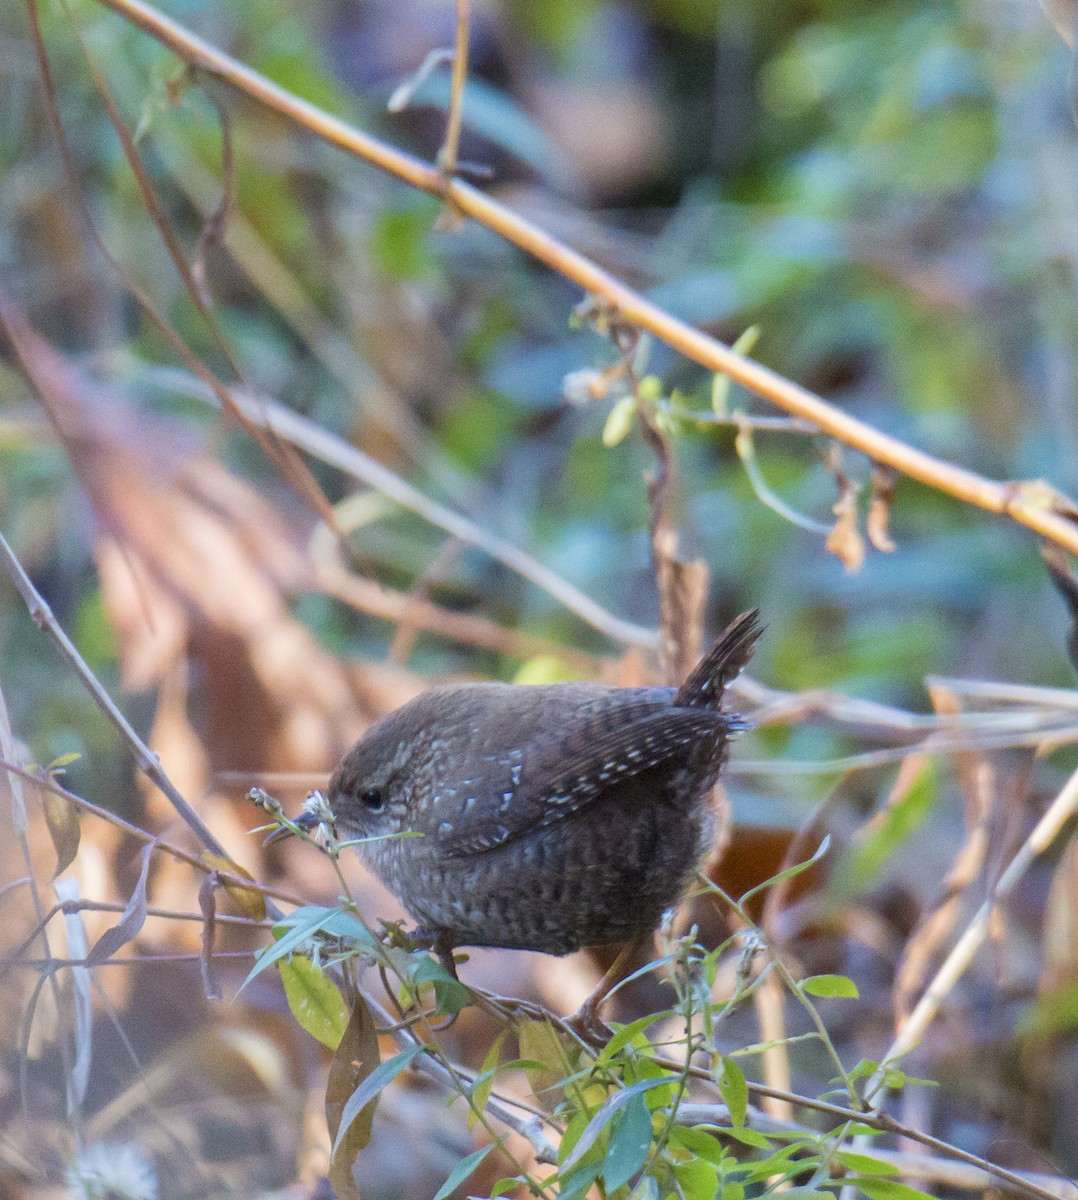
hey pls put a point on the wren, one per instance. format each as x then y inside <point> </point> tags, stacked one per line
<point>550,817</point>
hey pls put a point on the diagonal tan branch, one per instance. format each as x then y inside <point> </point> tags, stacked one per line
<point>1036,506</point>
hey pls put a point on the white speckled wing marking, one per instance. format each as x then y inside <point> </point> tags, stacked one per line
<point>593,749</point>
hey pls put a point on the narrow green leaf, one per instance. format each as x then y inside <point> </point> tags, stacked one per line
<point>735,1091</point>
<point>372,1085</point>
<point>615,1102</point>
<point>484,1081</point>
<point>315,1000</point>
<point>885,1189</point>
<point>625,1035</point>
<point>462,1171</point>
<point>861,862</point>
<point>64,760</point>
<point>619,422</point>
<point>630,1141</point>
<point>830,985</point>
<point>720,384</point>
<point>790,872</point>
<point>865,1165</point>
<point>311,919</point>
<point>750,1137</point>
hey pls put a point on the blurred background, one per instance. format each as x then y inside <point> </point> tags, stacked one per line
<point>886,191</point>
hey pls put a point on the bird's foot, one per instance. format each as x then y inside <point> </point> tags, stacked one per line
<point>587,1025</point>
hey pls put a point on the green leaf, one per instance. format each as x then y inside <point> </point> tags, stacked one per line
<point>885,1189</point>
<point>720,384</point>
<point>866,854</point>
<point>830,985</point>
<point>699,1142</point>
<point>630,1141</point>
<point>615,1102</point>
<point>301,925</point>
<point>505,1185</point>
<point>789,873</point>
<point>314,999</point>
<point>450,995</point>
<point>698,1179</point>
<point>750,1137</point>
<point>484,1081</point>
<point>733,1191</point>
<point>865,1165</point>
<point>462,1171</point>
<point>62,822</point>
<point>866,1067</point>
<point>625,1035</point>
<point>578,1183</point>
<point>64,760</point>
<point>372,1085</point>
<point>619,422</point>
<point>734,1091</point>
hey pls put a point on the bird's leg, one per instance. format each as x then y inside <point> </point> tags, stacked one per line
<point>443,947</point>
<point>586,1020</point>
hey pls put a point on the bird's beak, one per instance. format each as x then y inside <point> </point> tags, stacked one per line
<point>306,822</point>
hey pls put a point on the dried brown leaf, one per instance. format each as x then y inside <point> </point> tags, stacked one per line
<point>845,540</point>
<point>250,901</point>
<point>877,524</point>
<point>355,1058</point>
<point>130,923</point>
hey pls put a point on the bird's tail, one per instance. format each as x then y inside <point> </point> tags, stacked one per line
<point>722,664</point>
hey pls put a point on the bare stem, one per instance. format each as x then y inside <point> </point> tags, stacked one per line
<point>146,760</point>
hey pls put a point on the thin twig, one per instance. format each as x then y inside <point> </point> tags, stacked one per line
<point>886,1124</point>
<point>330,449</point>
<point>144,757</point>
<point>448,155</point>
<point>140,835</point>
<point>1062,808</point>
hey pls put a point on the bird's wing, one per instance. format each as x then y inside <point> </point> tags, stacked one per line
<point>595,747</point>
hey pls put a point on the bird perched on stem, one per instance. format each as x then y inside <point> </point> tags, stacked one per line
<point>548,817</point>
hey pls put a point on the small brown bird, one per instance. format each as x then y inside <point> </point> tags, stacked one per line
<point>551,817</point>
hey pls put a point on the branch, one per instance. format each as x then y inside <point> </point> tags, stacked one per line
<point>144,757</point>
<point>1034,505</point>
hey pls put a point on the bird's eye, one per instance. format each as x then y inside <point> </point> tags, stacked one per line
<point>372,798</point>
